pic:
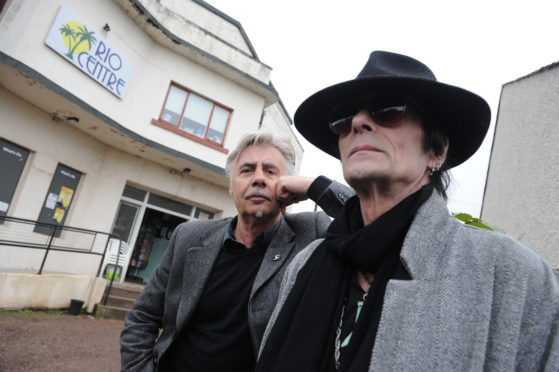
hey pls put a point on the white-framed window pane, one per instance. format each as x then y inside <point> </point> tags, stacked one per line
<point>196,115</point>
<point>202,214</point>
<point>218,124</point>
<point>173,106</point>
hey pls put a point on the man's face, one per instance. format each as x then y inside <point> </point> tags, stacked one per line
<point>391,155</point>
<point>254,179</point>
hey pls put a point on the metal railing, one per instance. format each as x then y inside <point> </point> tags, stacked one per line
<point>19,232</point>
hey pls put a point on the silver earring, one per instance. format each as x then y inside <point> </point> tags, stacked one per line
<point>434,170</point>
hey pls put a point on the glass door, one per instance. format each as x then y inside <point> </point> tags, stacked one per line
<point>124,222</point>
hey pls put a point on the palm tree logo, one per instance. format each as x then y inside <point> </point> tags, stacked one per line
<point>77,38</point>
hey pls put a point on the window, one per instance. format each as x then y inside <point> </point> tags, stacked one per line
<point>195,117</point>
<point>134,193</point>
<point>12,161</point>
<point>170,204</point>
<point>202,214</point>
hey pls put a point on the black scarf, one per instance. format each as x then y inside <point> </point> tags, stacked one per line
<point>304,333</point>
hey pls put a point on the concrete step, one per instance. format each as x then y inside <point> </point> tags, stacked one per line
<point>127,290</point>
<point>121,298</point>
<point>123,302</point>
<point>110,312</point>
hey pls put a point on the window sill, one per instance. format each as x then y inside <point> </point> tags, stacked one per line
<point>174,129</point>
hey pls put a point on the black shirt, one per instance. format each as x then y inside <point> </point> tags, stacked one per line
<point>218,336</point>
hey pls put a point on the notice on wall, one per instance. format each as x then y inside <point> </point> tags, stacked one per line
<point>4,206</point>
<point>51,201</point>
<point>58,215</point>
<point>82,46</point>
<point>65,196</point>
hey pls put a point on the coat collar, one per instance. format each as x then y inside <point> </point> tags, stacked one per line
<point>429,236</point>
<point>277,252</point>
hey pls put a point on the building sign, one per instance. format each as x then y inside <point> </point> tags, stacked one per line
<point>70,37</point>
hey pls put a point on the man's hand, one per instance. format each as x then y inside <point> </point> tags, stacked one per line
<point>292,189</point>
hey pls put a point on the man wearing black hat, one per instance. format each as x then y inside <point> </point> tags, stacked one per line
<point>398,284</point>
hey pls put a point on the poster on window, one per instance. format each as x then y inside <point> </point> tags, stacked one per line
<point>65,196</point>
<point>58,199</point>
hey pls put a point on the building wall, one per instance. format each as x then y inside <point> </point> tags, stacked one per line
<point>23,291</point>
<point>522,190</point>
<point>212,23</point>
<point>155,68</point>
<point>105,171</point>
<point>115,142</point>
<point>275,120</point>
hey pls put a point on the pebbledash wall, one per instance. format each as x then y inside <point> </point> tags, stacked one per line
<point>139,101</point>
<point>522,187</point>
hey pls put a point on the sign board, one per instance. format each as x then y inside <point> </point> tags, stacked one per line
<point>70,37</point>
<point>58,199</point>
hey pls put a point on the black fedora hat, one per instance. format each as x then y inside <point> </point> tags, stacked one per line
<point>462,115</point>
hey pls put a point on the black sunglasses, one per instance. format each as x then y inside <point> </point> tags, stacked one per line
<point>383,116</point>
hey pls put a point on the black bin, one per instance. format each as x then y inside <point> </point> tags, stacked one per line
<point>75,307</point>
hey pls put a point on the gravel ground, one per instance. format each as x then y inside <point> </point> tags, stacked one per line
<point>42,341</point>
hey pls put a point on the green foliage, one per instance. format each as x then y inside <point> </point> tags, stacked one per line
<point>24,312</point>
<point>472,221</point>
<point>32,312</point>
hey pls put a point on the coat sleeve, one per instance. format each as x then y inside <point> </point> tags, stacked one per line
<point>539,341</point>
<point>143,322</point>
<point>331,196</point>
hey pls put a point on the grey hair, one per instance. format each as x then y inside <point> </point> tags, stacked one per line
<point>262,139</point>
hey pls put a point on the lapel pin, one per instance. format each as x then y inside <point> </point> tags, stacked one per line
<point>276,257</point>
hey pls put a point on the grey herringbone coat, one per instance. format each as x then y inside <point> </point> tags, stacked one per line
<point>477,301</point>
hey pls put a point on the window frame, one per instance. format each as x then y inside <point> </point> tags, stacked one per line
<point>175,128</point>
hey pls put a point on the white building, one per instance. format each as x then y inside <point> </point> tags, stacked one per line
<point>117,116</point>
<point>522,189</point>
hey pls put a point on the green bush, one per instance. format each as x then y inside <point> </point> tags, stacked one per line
<point>472,221</point>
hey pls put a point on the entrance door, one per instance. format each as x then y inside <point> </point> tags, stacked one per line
<point>145,220</point>
<point>124,222</point>
<point>153,238</point>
